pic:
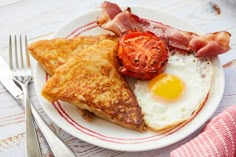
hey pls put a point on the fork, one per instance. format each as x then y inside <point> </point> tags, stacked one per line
<point>21,73</point>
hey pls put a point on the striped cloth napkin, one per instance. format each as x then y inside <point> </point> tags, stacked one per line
<point>217,139</point>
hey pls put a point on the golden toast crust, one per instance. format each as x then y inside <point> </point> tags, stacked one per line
<point>91,81</point>
<point>53,53</point>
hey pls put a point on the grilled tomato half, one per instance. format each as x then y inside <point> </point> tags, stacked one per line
<point>142,55</point>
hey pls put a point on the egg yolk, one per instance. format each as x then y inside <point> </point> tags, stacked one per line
<point>167,86</point>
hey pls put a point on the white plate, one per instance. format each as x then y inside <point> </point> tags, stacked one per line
<point>108,135</point>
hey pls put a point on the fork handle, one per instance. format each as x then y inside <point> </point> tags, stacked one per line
<point>32,143</point>
<point>58,148</point>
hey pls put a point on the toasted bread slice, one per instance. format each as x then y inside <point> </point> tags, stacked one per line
<point>91,81</point>
<point>51,54</point>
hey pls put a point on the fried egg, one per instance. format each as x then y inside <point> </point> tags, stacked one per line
<point>173,96</point>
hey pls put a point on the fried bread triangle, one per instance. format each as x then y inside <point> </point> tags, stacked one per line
<point>53,53</point>
<point>91,81</point>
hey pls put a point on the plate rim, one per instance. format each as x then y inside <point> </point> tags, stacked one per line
<point>216,60</point>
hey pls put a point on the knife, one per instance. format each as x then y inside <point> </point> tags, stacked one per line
<point>57,146</point>
<point>7,82</point>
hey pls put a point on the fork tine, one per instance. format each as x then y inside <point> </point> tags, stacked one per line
<point>26,51</point>
<point>22,78</point>
<point>10,53</point>
<point>16,54</point>
<point>21,54</point>
<point>22,75</point>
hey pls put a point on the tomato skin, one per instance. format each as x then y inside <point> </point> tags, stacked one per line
<point>142,55</point>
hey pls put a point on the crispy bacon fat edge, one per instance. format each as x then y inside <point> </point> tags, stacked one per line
<point>120,22</point>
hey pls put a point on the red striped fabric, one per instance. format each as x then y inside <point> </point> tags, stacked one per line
<point>217,139</point>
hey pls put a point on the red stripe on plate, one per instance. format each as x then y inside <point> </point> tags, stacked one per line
<point>69,119</point>
<point>78,126</point>
<point>79,29</point>
<point>89,28</point>
<point>97,135</point>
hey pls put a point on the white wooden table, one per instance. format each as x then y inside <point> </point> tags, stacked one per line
<point>38,19</point>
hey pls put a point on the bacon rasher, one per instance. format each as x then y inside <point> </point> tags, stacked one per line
<point>119,22</point>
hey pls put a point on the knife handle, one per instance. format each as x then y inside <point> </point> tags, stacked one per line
<point>57,146</point>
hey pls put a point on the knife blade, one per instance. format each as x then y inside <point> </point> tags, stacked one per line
<point>58,147</point>
<point>7,82</point>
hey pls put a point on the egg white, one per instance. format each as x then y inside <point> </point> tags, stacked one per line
<point>196,73</point>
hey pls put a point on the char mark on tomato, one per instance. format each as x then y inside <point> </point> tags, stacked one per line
<point>142,55</point>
